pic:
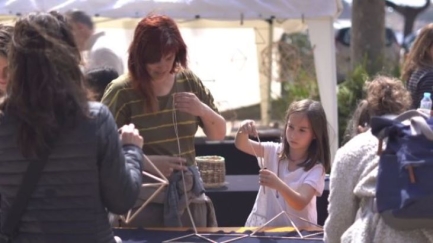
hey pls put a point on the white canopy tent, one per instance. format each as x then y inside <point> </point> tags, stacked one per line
<point>262,15</point>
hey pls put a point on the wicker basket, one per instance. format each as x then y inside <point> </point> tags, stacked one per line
<point>212,170</point>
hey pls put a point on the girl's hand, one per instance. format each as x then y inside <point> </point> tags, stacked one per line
<point>269,179</point>
<point>248,127</point>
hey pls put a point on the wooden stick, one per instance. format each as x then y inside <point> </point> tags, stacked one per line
<point>162,181</point>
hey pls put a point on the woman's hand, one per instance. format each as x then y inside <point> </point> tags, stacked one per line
<point>189,103</point>
<point>248,127</point>
<point>165,164</point>
<point>269,179</point>
<point>130,135</point>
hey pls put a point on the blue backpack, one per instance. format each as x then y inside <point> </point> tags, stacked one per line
<point>404,189</point>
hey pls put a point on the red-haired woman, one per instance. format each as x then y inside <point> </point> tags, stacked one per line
<point>167,103</point>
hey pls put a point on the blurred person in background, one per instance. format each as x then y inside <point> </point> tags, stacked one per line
<point>94,46</point>
<point>418,66</point>
<point>98,79</point>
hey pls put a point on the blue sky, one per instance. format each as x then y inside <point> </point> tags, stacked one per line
<point>405,2</point>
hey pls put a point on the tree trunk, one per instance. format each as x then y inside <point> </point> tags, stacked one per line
<point>368,34</point>
<point>409,14</point>
<point>409,22</point>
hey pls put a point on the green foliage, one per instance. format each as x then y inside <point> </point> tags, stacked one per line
<point>396,72</point>
<point>297,73</point>
<point>303,87</point>
<point>350,92</point>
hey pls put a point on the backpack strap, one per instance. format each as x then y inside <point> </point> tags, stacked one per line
<point>28,185</point>
<point>409,114</point>
<point>380,125</point>
<point>419,126</point>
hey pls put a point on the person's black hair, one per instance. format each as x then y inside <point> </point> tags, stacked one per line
<point>99,78</point>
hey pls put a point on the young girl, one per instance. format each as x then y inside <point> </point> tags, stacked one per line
<point>293,173</point>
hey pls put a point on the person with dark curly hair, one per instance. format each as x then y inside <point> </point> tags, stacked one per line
<point>354,174</point>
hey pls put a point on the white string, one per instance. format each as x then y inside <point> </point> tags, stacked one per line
<point>260,143</point>
<point>293,215</point>
<point>261,160</point>
<point>183,174</point>
<point>289,215</point>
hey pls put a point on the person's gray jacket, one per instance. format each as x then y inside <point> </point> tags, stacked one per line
<point>88,173</point>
